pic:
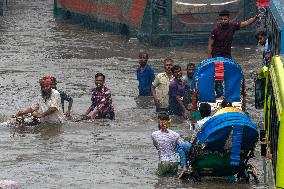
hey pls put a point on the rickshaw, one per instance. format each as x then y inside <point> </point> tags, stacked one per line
<point>21,121</point>
<point>224,146</point>
<point>216,79</point>
<point>227,140</point>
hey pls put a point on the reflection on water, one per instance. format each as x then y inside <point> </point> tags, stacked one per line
<point>98,154</point>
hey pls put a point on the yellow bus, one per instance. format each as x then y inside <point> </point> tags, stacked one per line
<point>272,137</point>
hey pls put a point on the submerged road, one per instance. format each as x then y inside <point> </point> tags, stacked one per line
<point>100,154</point>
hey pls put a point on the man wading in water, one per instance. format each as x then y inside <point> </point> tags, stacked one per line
<point>47,105</point>
<point>101,106</point>
<point>160,87</point>
<point>145,75</point>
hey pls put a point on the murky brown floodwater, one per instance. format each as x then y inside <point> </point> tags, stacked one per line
<point>101,154</point>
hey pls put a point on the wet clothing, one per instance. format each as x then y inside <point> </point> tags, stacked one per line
<point>42,105</point>
<point>161,84</point>
<point>176,88</point>
<point>166,169</point>
<point>145,79</point>
<point>184,151</point>
<point>64,97</point>
<point>102,103</point>
<point>198,126</point>
<point>223,38</point>
<point>266,52</point>
<point>188,91</point>
<point>166,143</point>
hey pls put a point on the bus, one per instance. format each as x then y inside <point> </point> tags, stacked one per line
<point>269,95</point>
<point>158,22</point>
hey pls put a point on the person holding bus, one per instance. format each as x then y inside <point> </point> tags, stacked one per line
<point>221,37</point>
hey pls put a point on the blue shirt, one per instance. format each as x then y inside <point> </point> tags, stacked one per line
<point>176,88</point>
<point>145,80</point>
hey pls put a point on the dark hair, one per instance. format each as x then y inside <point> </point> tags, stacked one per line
<point>163,116</point>
<point>53,79</point>
<point>100,74</point>
<point>144,53</point>
<point>226,103</point>
<point>260,33</point>
<point>175,67</point>
<point>190,65</point>
<point>224,13</point>
<point>168,60</point>
<point>204,110</point>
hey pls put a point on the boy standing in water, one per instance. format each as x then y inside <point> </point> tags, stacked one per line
<point>166,141</point>
<point>145,75</point>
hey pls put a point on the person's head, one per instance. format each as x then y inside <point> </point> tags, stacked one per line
<point>224,18</point>
<point>164,121</point>
<point>176,70</point>
<point>168,64</point>
<point>261,37</point>
<point>99,80</point>
<point>8,184</point>
<point>143,59</point>
<point>45,84</point>
<point>226,103</point>
<point>204,110</point>
<point>190,70</point>
<point>54,83</point>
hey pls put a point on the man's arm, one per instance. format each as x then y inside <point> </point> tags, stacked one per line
<point>88,111</point>
<point>49,111</point>
<point>155,84</point>
<point>180,102</point>
<point>210,47</point>
<point>153,91</point>
<point>154,141</point>
<point>69,107</point>
<point>249,21</point>
<point>28,110</point>
<point>67,98</point>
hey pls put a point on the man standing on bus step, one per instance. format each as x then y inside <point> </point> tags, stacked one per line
<point>221,38</point>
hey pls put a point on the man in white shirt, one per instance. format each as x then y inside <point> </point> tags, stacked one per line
<point>47,105</point>
<point>205,112</point>
<point>166,141</point>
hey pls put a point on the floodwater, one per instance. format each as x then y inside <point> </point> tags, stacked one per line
<point>100,154</point>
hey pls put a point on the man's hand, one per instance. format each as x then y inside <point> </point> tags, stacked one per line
<point>186,114</point>
<point>85,116</point>
<point>67,113</point>
<point>38,114</point>
<point>182,172</point>
<point>20,113</point>
<point>157,102</point>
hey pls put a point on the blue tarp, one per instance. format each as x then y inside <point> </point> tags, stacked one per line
<point>216,130</point>
<point>233,77</point>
